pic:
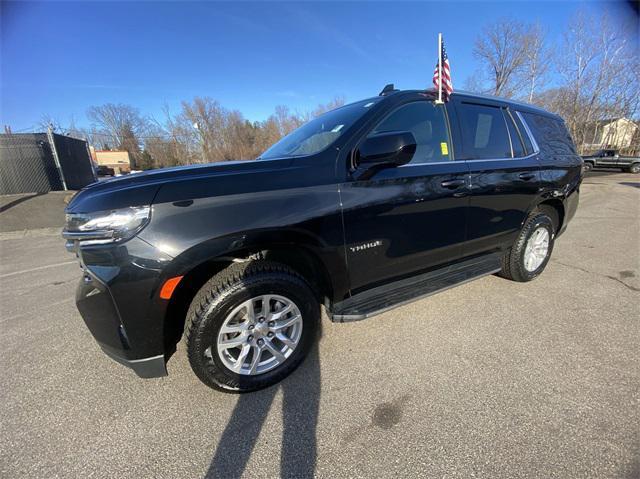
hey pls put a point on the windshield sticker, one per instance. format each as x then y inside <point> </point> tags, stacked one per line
<point>337,129</point>
<point>444,148</point>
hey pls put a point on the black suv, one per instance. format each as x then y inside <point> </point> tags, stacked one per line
<point>362,209</point>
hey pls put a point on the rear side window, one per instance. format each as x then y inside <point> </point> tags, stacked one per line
<point>429,127</point>
<point>514,134</point>
<point>523,132</point>
<point>484,131</point>
<point>551,134</point>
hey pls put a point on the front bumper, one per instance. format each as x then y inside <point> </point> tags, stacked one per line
<point>153,367</point>
<point>118,301</point>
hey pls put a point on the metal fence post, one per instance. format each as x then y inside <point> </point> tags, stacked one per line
<point>55,156</point>
<point>93,170</point>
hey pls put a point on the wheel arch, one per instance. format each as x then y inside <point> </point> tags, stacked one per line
<point>556,208</point>
<point>199,264</point>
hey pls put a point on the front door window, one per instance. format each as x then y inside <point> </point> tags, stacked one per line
<point>428,124</point>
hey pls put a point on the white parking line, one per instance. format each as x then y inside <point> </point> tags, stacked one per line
<point>6,275</point>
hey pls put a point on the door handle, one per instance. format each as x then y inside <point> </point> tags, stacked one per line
<point>526,176</point>
<point>452,184</point>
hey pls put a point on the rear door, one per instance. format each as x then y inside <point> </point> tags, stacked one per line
<point>504,175</point>
<point>410,218</point>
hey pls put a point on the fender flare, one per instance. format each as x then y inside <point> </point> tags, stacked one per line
<point>228,248</point>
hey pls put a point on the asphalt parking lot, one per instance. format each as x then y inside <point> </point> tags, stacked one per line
<point>490,379</point>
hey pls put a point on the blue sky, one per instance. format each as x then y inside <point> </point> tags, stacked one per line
<point>59,58</point>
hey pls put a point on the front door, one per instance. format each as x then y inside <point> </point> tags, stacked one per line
<point>409,218</point>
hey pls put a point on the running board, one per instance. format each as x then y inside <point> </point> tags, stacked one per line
<point>389,296</point>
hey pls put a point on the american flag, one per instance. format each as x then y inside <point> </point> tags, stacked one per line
<point>447,87</point>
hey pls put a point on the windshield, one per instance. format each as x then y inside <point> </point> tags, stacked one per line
<point>319,133</point>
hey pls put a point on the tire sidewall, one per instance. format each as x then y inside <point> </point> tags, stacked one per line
<point>635,168</point>
<point>541,220</point>
<point>587,167</point>
<point>212,371</point>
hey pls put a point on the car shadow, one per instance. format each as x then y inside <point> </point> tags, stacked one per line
<point>17,201</point>
<point>300,408</point>
<point>631,183</point>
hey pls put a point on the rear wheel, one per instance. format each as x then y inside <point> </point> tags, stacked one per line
<point>250,326</point>
<point>635,168</point>
<point>531,251</point>
<point>587,166</point>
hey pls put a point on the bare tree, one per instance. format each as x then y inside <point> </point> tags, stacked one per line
<point>204,131</point>
<point>535,65</point>
<point>599,70</point>
<point>475,83</point>
<point>121,126</point>
<point>216,130</point>
<point>48,121</point>
<point>337,102</point>
<point>510,52</point>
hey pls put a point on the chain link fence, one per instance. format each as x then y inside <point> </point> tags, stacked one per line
<point>28,163</point>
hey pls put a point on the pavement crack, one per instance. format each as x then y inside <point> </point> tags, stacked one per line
<point>632,288</point>
<point>628,286</point>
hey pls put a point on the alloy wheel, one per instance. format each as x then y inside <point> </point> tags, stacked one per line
<point>537,249</point>
<point>259,334</point>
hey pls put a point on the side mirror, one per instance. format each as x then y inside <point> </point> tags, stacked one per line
<point>391,148</point>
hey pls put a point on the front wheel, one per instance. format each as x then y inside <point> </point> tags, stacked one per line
<point>250,326</point>
<point>531,251</point>
<point>635,168</point>
<point>587,166</point>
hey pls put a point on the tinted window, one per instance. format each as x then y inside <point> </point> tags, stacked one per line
<point>427,123</point>
<point>525,136</point>
<point>551,134</point>
<point>514,134</point>
<point>484,131</point>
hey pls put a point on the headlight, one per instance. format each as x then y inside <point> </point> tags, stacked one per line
<point>105,226</point>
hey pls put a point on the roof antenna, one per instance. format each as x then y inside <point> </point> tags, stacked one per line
<point>387,89</point>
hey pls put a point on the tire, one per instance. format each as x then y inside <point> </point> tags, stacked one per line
<point>239,287</point>
<point>514,265</point>
<point>634,168</point>
<point>587,166</point>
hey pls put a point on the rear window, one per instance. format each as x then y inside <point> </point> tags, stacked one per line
<point>484,132</point>
<point>551,134</point>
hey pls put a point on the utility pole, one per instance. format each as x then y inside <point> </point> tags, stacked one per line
<point>52,143</point>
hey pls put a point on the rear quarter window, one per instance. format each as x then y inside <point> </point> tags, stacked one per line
<point>551,134</point>
<point>524,135</point>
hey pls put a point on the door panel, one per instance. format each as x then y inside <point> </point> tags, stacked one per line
<point>608,160</point>
<point>404,220</point>
<point>502,192</point>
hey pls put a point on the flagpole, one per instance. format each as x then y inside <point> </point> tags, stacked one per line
<point>439,67</point>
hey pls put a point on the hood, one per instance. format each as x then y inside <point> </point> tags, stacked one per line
<point>138,189</point>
